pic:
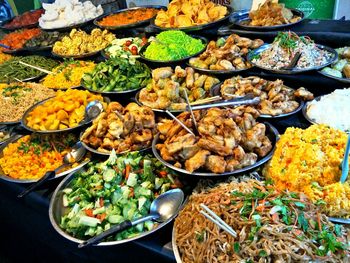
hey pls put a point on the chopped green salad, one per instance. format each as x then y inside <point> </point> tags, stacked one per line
<point>110,192</point>
<point>173,45</point>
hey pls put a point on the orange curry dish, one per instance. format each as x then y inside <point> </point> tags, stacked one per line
<point>128,17</point>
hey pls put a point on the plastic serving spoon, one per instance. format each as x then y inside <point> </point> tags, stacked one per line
<point>75,155</point>
<point>162,208</point>
<point>345,163</point>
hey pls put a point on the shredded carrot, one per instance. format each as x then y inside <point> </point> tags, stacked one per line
<point>89,212</point>
<point>127,171</point>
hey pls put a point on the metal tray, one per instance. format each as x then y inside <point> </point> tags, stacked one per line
<point>87,147</point>
<point>87,55</point>
<point>132,25</point>
<point>344,80</point>
<point>215,90</point>
<point>25,115</point>
<point>241,21</point>
<point>56,211</point>
<point>271,133</point>
<point>195,28</point>
<point>109,92</point>
<point>264,47</point>
<point>161,63</point>
<point>13,180</point>
<point>68,28</point>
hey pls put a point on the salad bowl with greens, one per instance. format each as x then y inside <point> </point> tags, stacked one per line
<point>107,193</point>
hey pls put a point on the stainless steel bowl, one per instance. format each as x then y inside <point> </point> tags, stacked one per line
<point>56,211</point>
<point>271,133</point>
<point>21,181</point>
<point>241,21</point>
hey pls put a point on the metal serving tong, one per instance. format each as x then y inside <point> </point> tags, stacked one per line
<point>248,99</point>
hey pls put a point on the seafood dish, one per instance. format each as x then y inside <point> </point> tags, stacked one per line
<point>80,43</point>
<point>269,226</point>
<point>275,97</point>
<point>123,129</point>
<point>128,17</point>
<point>117,75</point>
<point>283,49</point>
<point>17,98</point>
<point>271,13</point>
<point>168,87</point>
<point>341,68</point>
<point>226,54</point>
<point>186,13</point>
<point>65,110</point>
<point>64,13</point>
<point>329,109</point>
<point>309,161</point>
<point>228,140</point>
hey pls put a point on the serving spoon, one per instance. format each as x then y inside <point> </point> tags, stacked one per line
<point>162,208</point>
<point>293,62</point>
<point>75,155</point>
<point>92,110</point>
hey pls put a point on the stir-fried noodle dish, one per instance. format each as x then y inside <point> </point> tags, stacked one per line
<point>271,226</point>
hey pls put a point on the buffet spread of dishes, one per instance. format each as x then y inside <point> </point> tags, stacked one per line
<point>152,111</point>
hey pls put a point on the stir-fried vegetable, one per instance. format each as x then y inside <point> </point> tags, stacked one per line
<point>117,74</point>
<point>110,192</point>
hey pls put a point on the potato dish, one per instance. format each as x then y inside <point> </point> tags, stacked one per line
<point>64,111</point>
<point>121,128</point>
<point>79,42</point>
<point>167,90</point>
<point>226,54</point>
<point>186,13</point>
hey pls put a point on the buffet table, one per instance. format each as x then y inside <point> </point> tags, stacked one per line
<point>26,229</point>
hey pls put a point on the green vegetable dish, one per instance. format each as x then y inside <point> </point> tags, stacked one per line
<point>12,70</point>
<point>117,75</point>
<point>110,192</point>
<point>173,45</point>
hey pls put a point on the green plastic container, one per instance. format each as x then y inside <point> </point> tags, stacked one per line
<point>315,9</point>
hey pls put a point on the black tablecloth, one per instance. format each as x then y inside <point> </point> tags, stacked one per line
<point>26,232</point>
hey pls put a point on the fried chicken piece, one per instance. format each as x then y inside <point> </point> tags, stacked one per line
<point>189,77</point>
<point>114,106</point>
<point>238,153</point>
<point>189,151</point>
<point>141,136</point>
<point>93,141</point>
<point>304,94</point>
<point>248,159</point>
<point>129,123</point>
<point>164,126</point>
<point>115,128</point>
<point>216,164</point>
<point>101,128</point>
<point>215,147</point>
<point>231,164</point>
<point>180,142</point>
<point>265,148</point>
<point>197,161</point>
<point>89,131</point>
<point>107,144</point>
<point>253,138</point>
<point>164,152</point>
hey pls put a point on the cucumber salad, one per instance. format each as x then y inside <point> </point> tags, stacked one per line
<point>110,192</point>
